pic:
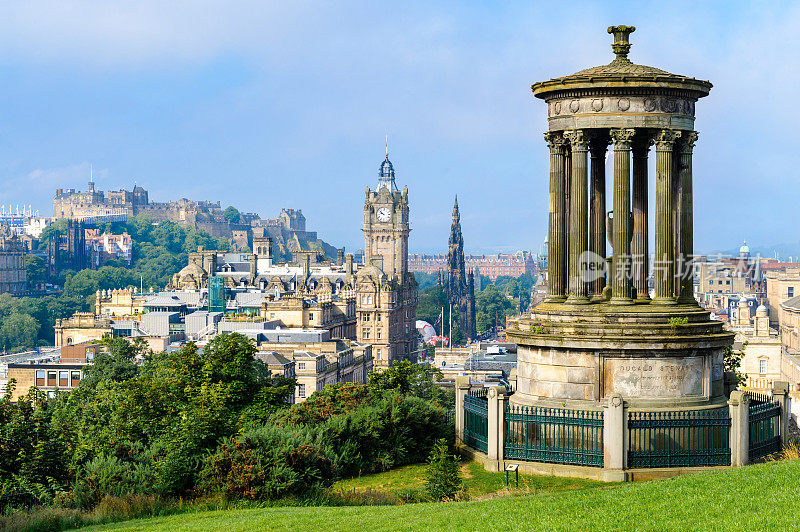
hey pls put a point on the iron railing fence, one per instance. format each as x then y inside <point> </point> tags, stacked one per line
<point>681,438</point>
<point>476,421</point>
<point>764,424</point>
<point>554,435</point>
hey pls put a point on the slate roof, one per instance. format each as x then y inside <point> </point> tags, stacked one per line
<point>793,303</point>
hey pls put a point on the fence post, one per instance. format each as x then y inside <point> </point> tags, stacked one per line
<point>739,405</point>
<point>502,403</point>
<point>495,418</point>
<point>780,394</point>
<point>615,439</point>
<point>462,387</point>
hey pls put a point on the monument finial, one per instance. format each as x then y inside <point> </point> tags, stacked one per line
<point>621,45</point>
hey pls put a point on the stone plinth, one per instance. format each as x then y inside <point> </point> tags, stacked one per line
<point>649,355</point>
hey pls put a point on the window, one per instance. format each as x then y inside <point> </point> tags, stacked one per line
<point>727,282</point>
<point>272,315</point>
<point>379,317</point>
<point>301,390</point>
<point>63,378</point>
<point>51,378</point>
<point>378,352</point>
<point>301,366</point>
<point>75,377</point>
<point>311,316</point>
<point>791,291</point>
<point>365,317</point>
<point>366,334</point>
<point>762,366</point>
<point>39,377</point>
<point>379,334</point>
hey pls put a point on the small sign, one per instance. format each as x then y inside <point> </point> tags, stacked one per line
<point>512,468</point>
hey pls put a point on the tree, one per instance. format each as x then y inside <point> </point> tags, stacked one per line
<point>430,303</point>
<point>491,305</point>
<point>18,332</point>
<point>732,361</point>
<point>36,270</point>
<point>409,378</point>
<point>443,474</point>
<point>232,215</point>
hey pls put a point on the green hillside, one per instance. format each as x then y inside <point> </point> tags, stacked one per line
<point>759,497</point>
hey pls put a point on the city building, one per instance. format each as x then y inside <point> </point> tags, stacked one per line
<point>81,327</point>
<point>767,357</point>
<point>457,284</point>
<point>491,266</point>
<point>100,248</point>
<point>47,377</point>
<point>783,284</point>
<point>13,276</point>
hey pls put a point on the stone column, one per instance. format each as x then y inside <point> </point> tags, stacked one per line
<point>462,388</point>
<point>578,220</point>
<point>639,244</point>
<point>567,204</point>
<point>597,209</point>
<point>557,251</point>
<point>621,280</point>
<point>684,261</point>
<point>780,394</point>
<point>739,405</point>
<point>664,260</point>
<point>615,441</point>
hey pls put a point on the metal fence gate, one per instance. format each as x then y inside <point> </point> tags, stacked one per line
<point>476,420</point>
<point>684,438</point>
<point>764,421</point>
<point>555,435</point>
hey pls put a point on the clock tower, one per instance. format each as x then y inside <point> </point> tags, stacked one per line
<point>386,225</point>
<point>386,291</point>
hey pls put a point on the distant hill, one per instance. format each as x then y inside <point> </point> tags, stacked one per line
<point>782,251</point>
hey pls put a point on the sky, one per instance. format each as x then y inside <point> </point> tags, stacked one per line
<point>264,105</point>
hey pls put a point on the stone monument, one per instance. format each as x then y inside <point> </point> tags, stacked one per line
<point>600,332</point>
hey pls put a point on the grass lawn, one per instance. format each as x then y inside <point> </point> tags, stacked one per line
<point>477,482</point>
<point>758,497</point>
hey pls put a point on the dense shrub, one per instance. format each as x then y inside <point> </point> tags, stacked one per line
<point>367,431</point>
<point>108,475</point>
<point>268,463</point>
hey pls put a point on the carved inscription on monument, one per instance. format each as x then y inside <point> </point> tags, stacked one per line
<point>650,377</point>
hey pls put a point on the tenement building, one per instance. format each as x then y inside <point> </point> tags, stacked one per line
<point>457,284</point>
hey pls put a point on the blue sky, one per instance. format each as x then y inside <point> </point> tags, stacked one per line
<point>286,104</point>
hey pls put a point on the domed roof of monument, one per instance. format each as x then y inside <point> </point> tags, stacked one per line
<point>744,249</point>
<point>621,72</point>
<point>761,310</point>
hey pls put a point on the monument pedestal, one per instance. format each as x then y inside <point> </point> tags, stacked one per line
<point>652,356</point>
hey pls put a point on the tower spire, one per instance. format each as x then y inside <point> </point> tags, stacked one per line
<point>386,172</point>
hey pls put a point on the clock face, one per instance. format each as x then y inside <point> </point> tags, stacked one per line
<point>384,214</point>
